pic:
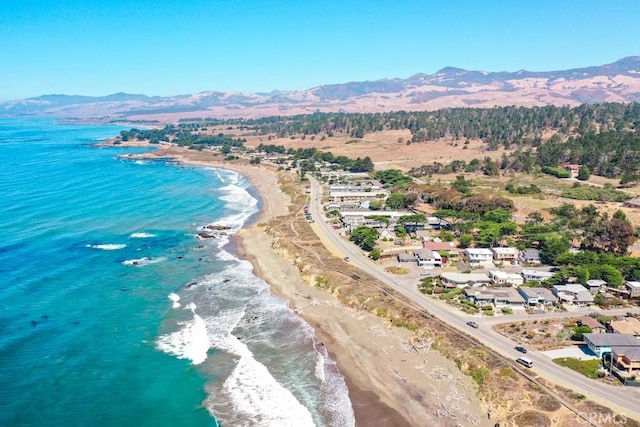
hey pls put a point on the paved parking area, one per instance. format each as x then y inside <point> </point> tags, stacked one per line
<point>581,352</point>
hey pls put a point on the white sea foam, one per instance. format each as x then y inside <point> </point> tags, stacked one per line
<point>141,235</point>
<point>108,246</point>
<point>139,262</point>
<point>189,342</point>
<point>175,298</point>
<point>256,396</point>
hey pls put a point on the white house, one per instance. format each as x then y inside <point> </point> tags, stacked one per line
<point>573,293</point>
<point>462,280</point>
<point>503,278</point>
<point>505,254</point>
<point>479,255</point>
<point>537,295</point>
<point>499,297</point>
<point>633,288</point>
<point>428,259</point>
<point>538,275</point>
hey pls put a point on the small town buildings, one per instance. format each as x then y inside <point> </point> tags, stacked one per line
<point>355,194</point>
<point>505,254</point>
<point>503,278</point>
<point>626,359</point>
<point>479,255</point>
<point>633,288</point>
<point>602,343</point>
<point>594,285</point>
<point>529,256</point>
<point>462,280</point>
<point>536,296</point>
<point>627,325</point>
<point>595,326</point>
<point>536,275</point>
<point>573,293</point>
<point>358,218</point>
<point>498,297</point>
<point>427,258</point>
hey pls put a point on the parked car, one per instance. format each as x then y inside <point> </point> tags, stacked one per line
<point>521,349</point>
<point>472,324</point>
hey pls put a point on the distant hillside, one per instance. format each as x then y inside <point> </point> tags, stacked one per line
<point>449,87</point>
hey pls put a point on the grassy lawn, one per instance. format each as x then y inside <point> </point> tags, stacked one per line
<point>588,368</point>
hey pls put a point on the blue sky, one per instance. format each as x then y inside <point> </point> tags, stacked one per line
<point>168,47</point>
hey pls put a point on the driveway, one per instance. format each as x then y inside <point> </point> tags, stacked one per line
<point>580,352</point>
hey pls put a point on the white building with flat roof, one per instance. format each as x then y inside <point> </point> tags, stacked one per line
<point>479,255</point>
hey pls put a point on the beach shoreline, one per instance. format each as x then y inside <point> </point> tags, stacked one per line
<point>389,382</point>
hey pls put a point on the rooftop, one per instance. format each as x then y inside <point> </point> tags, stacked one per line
<point>632,353</point>
<point>590,322</point>
<point>612,340</point>
<point>628,325</point>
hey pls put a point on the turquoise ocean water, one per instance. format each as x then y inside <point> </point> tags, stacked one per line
<point>113,312</point>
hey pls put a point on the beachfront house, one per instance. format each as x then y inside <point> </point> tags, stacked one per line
<point>479,255</point>
<point>462,280</point>
<point>505,255</point>
<point>503,278</point>
<point>498,297</point>
<point>626,359</point>
<point>537,296</point>
<point>602,343</point>
<point>573,293</point>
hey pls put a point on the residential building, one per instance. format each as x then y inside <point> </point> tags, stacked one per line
<point>594,285</point>
<point>628,325</point>
<point>537,275</point>
<point>407,258</point>
<point>573,293</point>
<point>602,343</point>
<point>626,359</point>
<point>595,326</point>
<point>498,297</point>
<point>534,296</point>
<point>428,258</point>
<point>530,256</point>
<point>357,218</point>
<point>462,280</point>
<point>505,254</point>
<point>503,278</point>
<point>633,288</point>
<point>354,194</point>
<point>479,255</point>
<point>573,169</point>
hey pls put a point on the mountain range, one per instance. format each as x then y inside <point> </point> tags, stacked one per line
<point>447,88</point>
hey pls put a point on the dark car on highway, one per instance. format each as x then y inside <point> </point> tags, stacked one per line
<point>521,349</point>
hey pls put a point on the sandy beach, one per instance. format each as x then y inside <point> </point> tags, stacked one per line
<point>392,382</point>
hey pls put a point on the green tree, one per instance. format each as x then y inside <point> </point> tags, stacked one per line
<point>552,248</point>
<point>583,173</point>
<point>365,237</point>
<point>396,201</point>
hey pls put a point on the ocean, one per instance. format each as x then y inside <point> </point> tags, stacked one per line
<point>114,313</point>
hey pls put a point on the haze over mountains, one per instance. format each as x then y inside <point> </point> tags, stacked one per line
<point>449,87</point>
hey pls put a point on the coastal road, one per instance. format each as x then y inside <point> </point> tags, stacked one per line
<point>623,400</point>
